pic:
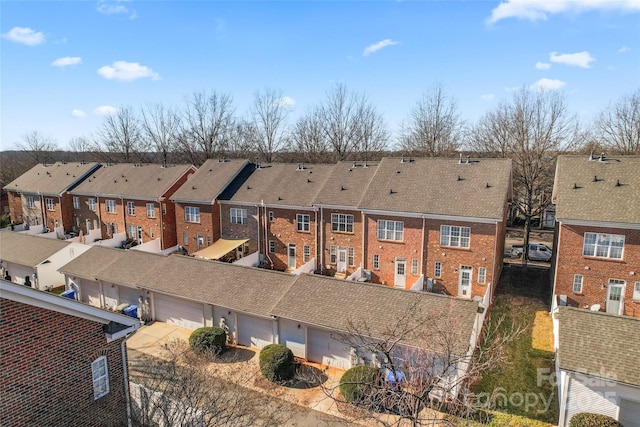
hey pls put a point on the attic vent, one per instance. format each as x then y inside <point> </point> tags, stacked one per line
<point>210,170</point>
<point>595,179</point>
<point>300,167</point>
<point>397,171</point>
<point>67,173</point>
<point>123,175</point>
<point>618,183</point>
<point>488,186</point>
<point>308,179</point>
<point>460,178</point>
<point>193,187</point>
<point>248,187</point>
<point>601,159</point>
<point>222,160</point>
<point>159,178</point>
<point>392,192</point>
<point>342,188</point>
<point>460,159</point>
<point>115,180</point>
<point>279,198</point>
<point>575,186</point>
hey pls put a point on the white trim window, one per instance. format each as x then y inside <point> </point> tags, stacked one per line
<point>132,231</point>
<point>376,261</point>
<point>455,236</point>
<point>112,228</point>
<point>351,258</point>
<point>76,202</point>
<point>272,246</point>
<point>151,210</point>
<point>303,223</point>
<point>414,266</point>
<point>238,216</point>
<point>333,254</point>
<point>31,202</point>
<point>192,214</point>
<point>100,375</point>
<point>390,230</point>
<point>92,204</point>
<point>601,245</point>
<point>482,275</point>
<point>342,223</point>
<point>110,206</point>
<point>199,241</point>
<point>306,250</point>
<point>131,208</point>
<point>578,280</point>
<point>636,291</point>
<point>437,269</point>
<point>51,204</point>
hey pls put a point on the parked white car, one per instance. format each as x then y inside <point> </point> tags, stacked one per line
<point>537,252</point>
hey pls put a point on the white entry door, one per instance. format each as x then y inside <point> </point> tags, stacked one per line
<point>400,280</point>
<point>615,296</point>
<point>292,256</point>
<point>342,260</point>
<point>464,281</point>
<point>139,235</point>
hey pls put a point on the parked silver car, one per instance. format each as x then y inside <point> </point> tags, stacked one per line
<point>537,252</point>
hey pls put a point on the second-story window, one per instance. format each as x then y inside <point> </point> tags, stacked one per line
<point>51,204</point>
<point>390,230</point>
<point>76,202</point>
<point>151,210</point>
<point>457,237</point>
<point>111,206</point>
<point>238,216</point>
<point>302,222</point>
<point>342,223</point>
<point>192,214</point>
<point>92,205</point>
<point>131,208</point>
<point>31,202</point>
<point>603,245</point>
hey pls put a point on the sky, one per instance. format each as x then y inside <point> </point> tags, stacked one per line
<point>64,65</point>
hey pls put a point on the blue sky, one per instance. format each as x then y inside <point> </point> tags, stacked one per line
<point>63,64</point>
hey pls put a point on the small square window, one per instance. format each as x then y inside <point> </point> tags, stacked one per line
<point>437,269</point>
<point>577,283</point>
<point>272,246</point>
<point>482,275</point>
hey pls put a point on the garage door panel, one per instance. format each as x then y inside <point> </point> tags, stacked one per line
<point>325,349</point>
<point>179,312</point>
<point>254,331</point>
<point>292,335</point>
<point>629,413</point>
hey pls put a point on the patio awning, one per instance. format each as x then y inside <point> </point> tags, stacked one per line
<point>220,248</point>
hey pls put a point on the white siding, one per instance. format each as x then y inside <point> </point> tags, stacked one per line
<point>292,334</point>
<point>323,348</point>
<point>90,293</point>
<point>254,331</point>
<point>581,397</point>
<point>629,413</point>
<point>179,312</point>
<point>128,295</point>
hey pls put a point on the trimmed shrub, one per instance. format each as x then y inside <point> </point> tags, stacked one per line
<point>277,363</point>
<point>208,339</point>
<point>587,419</point>
<point>358,383</point>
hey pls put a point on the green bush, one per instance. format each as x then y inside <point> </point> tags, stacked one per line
<point>277,363</point>
<point>208,339</point>
<point>586,419</point>
<point>358,383</point>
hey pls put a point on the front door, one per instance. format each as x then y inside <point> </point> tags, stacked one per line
<point>615,296</point>
<point>400,280</point>
<point>292,256</point>
<point>139,235</point>
<point>464,281</point>
<point>342,260</point>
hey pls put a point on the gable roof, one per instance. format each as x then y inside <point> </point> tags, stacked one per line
<point>92,261</point>
<point>316,300</point>
<point>440,186</point>
<point>283,184</point>
<point>28,250</point>
<point>51,179</point>
<point>145,181</point>
<point>596,343</point>
<point>209,181</point>
<point>346,184</point>
<point>596,197</point>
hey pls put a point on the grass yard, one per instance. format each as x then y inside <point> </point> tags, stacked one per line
<point>522,386</point>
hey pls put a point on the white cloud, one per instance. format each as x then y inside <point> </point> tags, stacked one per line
<point>624,49</point>
<point>579,59</point>
<point>78,113</point>
<point>66,61</point>
<point>115,7</point>
<point>24,35</point>
<point>287,101</point>
<point>534,10</point>
<point>105,110</point>
<point>377,46</point>
<point>542,65</point>
<point>547,84</point>
<point>127,71</point>
<point>488,97</point>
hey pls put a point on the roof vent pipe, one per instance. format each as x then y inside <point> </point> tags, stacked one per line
<point>460,159</point>
<point>601,157</point>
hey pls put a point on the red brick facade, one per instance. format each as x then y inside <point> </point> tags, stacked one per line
<point>596,272</point>
<point>283,232</point>
<point>15,206</point>
<point>187,232</point>
<point>342,238</point>
<point>249,230</point>
<point>46,377</point>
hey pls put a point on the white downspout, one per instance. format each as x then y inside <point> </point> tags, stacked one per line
<point>125,374</point>
<point>557,258</point>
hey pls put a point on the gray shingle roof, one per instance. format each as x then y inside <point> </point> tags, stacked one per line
<point>440,186</point>
<point>27,250</point>
<point>130,267</point>
<point>321,301</point>
<point>245,289</point>
<point>597,198</point>
<point>209,181</point>
<point>91,262</point>
<point>597,343</point>
<point>148,181</point>
<point>283,184</point>
<point>50,179</point>
<point>346,184</point>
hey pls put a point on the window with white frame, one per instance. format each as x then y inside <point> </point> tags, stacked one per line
<point>376,261</point>
<point>390,230</point>
<point>302,222</point>
<point>306,250</point>
<point>199,241</point>
<point>414,266</point>
<point>132,231</point>
<point>51,204</point>
<point>100,375</point>
<point>76,202</point>
<point>31,202</point>
<point>333,253</point>
<point>111,206</point>
<point>185,238</point>
<point>602,245</point>
<point>131,208</point>
<point>270,216</point>
<point>636,291</point>
<point>437,269</point>
<point>272,246</point>
<point>151,210</point>
<point>92,205</point>
<point>192,214</point>
<point>238,216</point>
<point>351,259</point>
<point>342,223</point>
<point>577,283</point>
<point>457,237</point>
<point>112,228</point>
<point>482,275</point>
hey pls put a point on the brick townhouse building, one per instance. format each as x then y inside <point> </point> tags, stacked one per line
<point>596,263</point>
<point>40,196</point>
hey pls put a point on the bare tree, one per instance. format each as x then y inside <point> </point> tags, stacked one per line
<point>308,138</point>
<point>120,136</point>
<point>207,122</point>
<point>160,127</point>
<point>434,127</point>
<point>269,122</point>
<point>618,126</point>
<point>40,147</point>
<point>371,134</point>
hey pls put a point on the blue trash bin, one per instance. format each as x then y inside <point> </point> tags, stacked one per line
<point>71,294</point>
<point>131,311</point>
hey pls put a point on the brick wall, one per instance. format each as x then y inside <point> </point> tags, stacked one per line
<point>570,261</point>
<point>209,225</point>
<point>46,377</point>
<point>341,239</point>
<point>113,218</point>
<point>79,216</point>
<point>170,235</point>
<point>61,212</point>
<point>283,231</point>
<point>32,216</point>
<point>15,206</point>
<point>239,231</point>
<point>140,219</point>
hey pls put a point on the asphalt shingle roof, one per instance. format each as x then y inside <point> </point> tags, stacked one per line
<point>209,181</point>
<point>440,186</point>
<point>598,343</point>
<point>587,189</point>
<point>346,184</point>
<point>50,179</point>
<point>146,181</point>
<point>89,263</point>
<point>130,267</point>
<point>27,250</point>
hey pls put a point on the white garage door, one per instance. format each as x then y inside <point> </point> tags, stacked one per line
<point>254,331</point>
<point>179,312</point>
<point>292,334</point>
<point>629,413</point>
<point>128,295</point>
<point>90,293</point>
<point>322,348</point>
